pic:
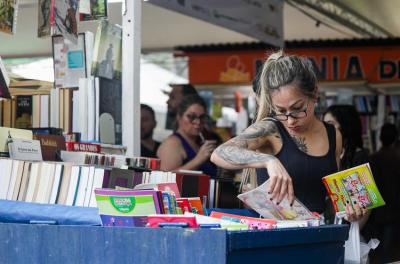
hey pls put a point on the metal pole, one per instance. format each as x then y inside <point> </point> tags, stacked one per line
<point>131,48</point>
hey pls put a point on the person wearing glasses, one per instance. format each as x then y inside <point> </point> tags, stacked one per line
<point>186,148</point>
<point>287,143</point>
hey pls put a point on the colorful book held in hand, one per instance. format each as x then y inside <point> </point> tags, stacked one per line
<point>260,201</point>
<point>355,187</point>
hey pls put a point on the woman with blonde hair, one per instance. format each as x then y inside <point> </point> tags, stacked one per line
<point>287,143</point>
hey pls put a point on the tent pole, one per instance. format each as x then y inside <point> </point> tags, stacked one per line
<point>131,49</point>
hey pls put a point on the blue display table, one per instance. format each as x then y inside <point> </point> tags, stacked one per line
<point>24,243</point>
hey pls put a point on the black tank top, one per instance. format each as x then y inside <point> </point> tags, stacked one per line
<point>306,171</point>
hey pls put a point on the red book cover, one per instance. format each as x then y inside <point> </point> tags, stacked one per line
<point>84,147</point>
<point>193,185</point>
<point>155,220</point>
<point>184,204</point>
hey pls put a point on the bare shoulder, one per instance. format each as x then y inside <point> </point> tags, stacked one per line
<point>170,143</point>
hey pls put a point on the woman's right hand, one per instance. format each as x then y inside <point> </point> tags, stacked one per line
<point>206,150</point>
<point>280,183</point>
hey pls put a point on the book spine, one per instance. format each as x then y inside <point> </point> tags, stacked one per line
<point>330,193</point>
<point>83,147</point>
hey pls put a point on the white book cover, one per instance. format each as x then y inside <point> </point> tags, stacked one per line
<point>25,149</point>
<point>44,182</point>
<point>97,183</point>
<point>54,110</point>
<point>13,178</point>
<point>18,180</point>
<point>75,111</point>
<point>89,46</point>
<point>50,181</point>
<point>44,110</point>
<point>56,183</point>
<point>73,185</point>
<point>76,158</point>
<point>82,186</point>
<point>33,178</point>
<point>91,105</point>
<point>83,108</point>
<point>261,201</point>
<point>211,194</point>
<point>6,171</point>
<point>89,187</point>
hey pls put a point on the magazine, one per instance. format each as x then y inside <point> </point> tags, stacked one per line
<point>354,186</point>
<point>8,16</point>
<point>45,18</point>
<point>66,19</point>
<point>107,54</point>
<point>259,200</point>
<point>98,9</point>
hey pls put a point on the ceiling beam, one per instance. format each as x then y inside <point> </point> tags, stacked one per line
<point>343,15</point>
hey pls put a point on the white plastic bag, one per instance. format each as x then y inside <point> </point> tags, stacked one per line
<point>355,250</point>
<point>352,245</point>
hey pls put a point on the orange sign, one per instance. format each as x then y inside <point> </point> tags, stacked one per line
<point>373,64</point>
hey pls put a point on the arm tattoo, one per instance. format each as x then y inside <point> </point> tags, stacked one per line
<point>236,150</point>
<point>301,143</point>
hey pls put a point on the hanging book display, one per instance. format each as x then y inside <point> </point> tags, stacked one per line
<point>107,57</point>
<point>69,61</point>
<point>58,17</point>
<point>97,10</point>
<point>45,18</point>
<point>66,19</point>
<point>8,15</point>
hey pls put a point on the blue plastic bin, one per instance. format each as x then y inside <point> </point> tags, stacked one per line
<point>27,243</point>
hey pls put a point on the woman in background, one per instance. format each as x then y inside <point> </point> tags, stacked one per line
<point>347,120</point>
<point>185,149</point>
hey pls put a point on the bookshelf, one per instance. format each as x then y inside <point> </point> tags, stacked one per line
<point>375,109</point>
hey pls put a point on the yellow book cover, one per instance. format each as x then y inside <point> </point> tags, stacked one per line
<point>355,187</point>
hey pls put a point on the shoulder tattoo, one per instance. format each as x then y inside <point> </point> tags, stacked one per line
<point>236,150</point>
<point>301,143</point>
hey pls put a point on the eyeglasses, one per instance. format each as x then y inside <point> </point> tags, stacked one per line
<point>193,117</point>
<point>295,114</point>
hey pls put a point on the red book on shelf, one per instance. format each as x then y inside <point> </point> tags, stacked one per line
<point>84,147</point>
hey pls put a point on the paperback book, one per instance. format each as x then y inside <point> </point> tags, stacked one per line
<point>8,16</point>
<point>126,207</point>
<point>260,201</point>
<point>98,9</point>
<point>107,55</point>
<point>355,187</point>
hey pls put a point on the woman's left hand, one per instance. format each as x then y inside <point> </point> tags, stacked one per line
<point>353,215</point>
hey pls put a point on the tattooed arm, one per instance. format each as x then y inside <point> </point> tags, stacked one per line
<point>240,152</point>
